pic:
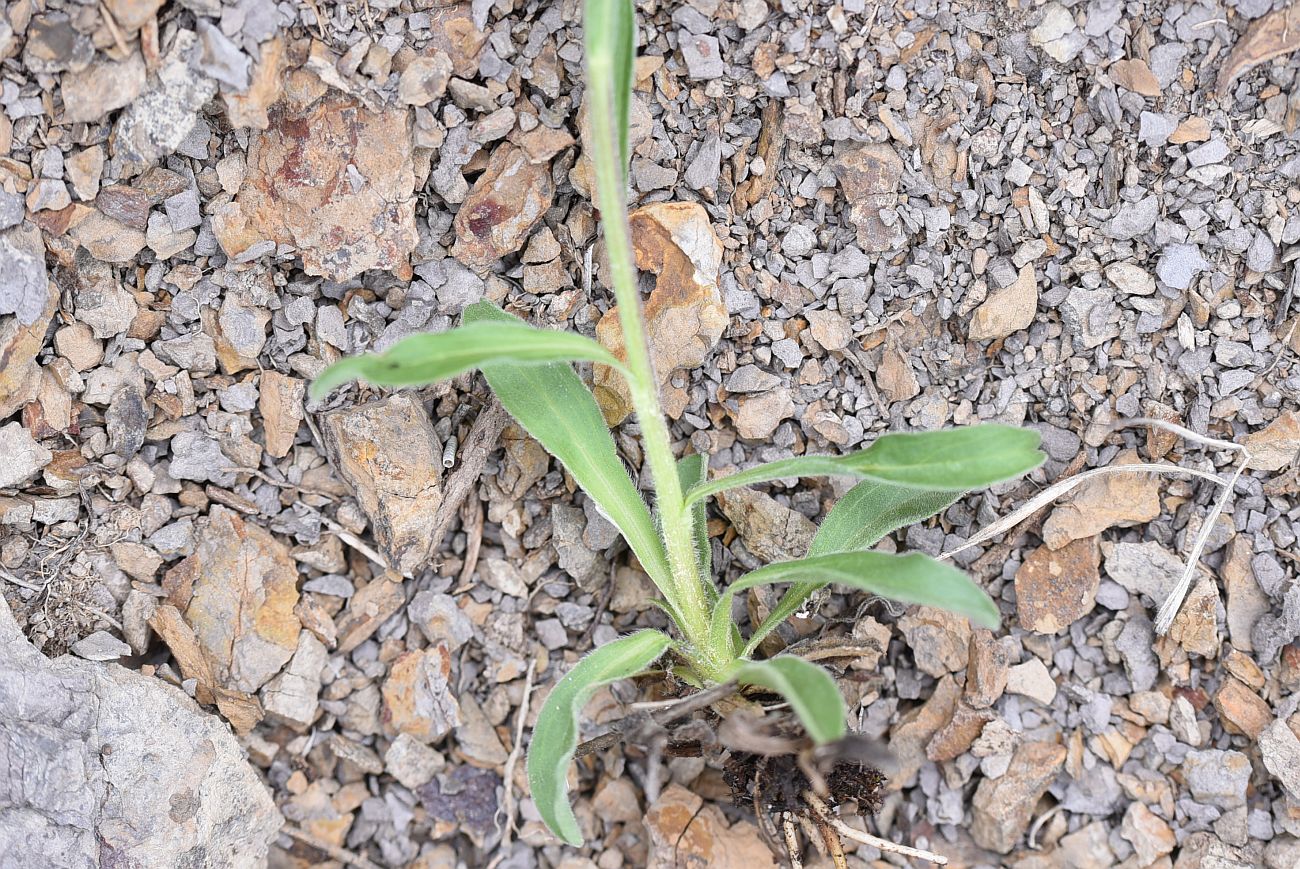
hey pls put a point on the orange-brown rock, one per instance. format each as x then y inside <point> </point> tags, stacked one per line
<point>237,593</point>
<point>1113,499</point>
<point>417,697</point>
<point>331,178</point>
<point>686,832</point>
<point>388,452</point>
<point>1056,587</point>
<point>502,207</point>
<point>684,315</point>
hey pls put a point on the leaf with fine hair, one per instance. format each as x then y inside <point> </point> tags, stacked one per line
<point>555,736</point>
<point>810,690</point>
<point>432,356</point>
<point>951,460</point>
<point>911,579</point>
<point>609,49</point>
<point>692,470</point>
<point>865,514</point>
<point>555,407</point>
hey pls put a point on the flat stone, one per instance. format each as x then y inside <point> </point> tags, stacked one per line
<point>684,315</point>
<point>388,452</point>
<point>910,737</point>
<point>24,457</point>
<point>1247,602</point>
<point>411,762</point>
<point>417,698</point>
<point>940,640</point>
<point>829,329</point>
<point>1274,447</point>
<point>280,405</point>
<point>109,759</point>
<point>1131,278</point>
<point>237,592</point>
<point>1133,219</point>
<point>1218,778</point>
<point>292,697</point>
<point>869,177</point>
<point>758,416</point>
<point>1241,710</point>
<point>100,88</point>
<point>1032,679</point>
<point>159,120</point>
<point>1280,749</point>
<point>1054,588</point>
<point>1114,499</point>
<point>425,79</point>
<point>101,646</point>
<point>1150,836</point>
<point>1002,807</point>
<point>372,605</point>
<point>502,208</point>
<point>702,54</point>
<point>769,530</point>
<point>1179,264</point>
<point>1008,310</point>
<point>684,831</point>
<point>332,179</point>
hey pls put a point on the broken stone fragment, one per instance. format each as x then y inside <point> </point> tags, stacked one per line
<point>237,592</point>
<point>1113,499</point>
<point>425,79</point>
<point>417,696</point>
<point>685,314</point>
<point>102,87</point>
<point>1054,588</point>
<point>1002,807</point>
<point>1008,310</point>
<point>684,831</point>
<point>280,402</point>
<point>117,755</point>
<point>334,180</point>
<point>155,124</point>
<point>23,456</point>
<point>502,208</point>
<point>1276,445</point>
<point>24,282</point>
<point>293,696</point>
<point>869,177</point>
<point>249,107</point>
<point>20,375</point>
<point>388,452</point>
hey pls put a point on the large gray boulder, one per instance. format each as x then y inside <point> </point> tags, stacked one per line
<point>103,767</point>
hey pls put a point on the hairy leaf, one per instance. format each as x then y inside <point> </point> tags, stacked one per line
<point>912,578</point>
<point>432,356</point>
<point>865,514</point>
<point>609,35</point>
<point>555,737</point>
<point>951,460</point>
<point>692,470</point>
<point>810,690</point>
<point>553,405</point>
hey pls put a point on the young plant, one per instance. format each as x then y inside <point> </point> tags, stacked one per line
<point>904,477</point>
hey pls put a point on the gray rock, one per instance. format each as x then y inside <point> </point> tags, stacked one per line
<point>160,119</point>
<point>108,767</point>
<point>1133,219</point>
<point>23,456</point>
<point>24,283</point>
<point>1154,129</point>
<point>411,762</point>
<point>1261,256</point>
<point>702,54</point>
<point>440,619</point>
<point>1280,749</point>
<point>293,697</point>
<point>100,646</point>
<point>702,172</point>
<point>195,456</point>
<point>751,378</point>
<point>1218,777</point>
<point>1135,645</point>
<point>1212,151</point>
<point>1179,264</point>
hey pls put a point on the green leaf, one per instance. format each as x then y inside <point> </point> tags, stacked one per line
<point>555,737</point>
<point>609,35</point>
<point>868,512</point>
<point>912,579</point>
<point>810,690</point>
<point>872,509</point>
<point>951,460</point>
<point>553,405</point>
<point>692,470</point>
<point>432,356</point>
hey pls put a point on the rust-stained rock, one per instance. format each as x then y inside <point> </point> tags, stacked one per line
<point>502,207</point>
<point>417,697</point>
<point>334,180</point>
<point>240,708</point>
<point>451,26</point>
<point>912,734</point>
<point>279,401</point>
<point>686,832</point>
<point>986,669</point>
<point>388,452</point>
<point>1241,710</point>
<point>869,177</point>
<point>685,315</point>
<point>237,592</point>
<point>1056,587</point>
<point>1007,310</point>
<point>1002,807</point>
<point>1113,499</point>
<point>955,738</point>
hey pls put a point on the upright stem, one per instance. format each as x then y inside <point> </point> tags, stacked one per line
<point>674,518</point>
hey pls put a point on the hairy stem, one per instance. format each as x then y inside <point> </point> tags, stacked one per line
<point>688,596</point>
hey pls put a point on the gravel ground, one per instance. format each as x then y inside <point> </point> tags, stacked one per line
<point>888,218</point>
